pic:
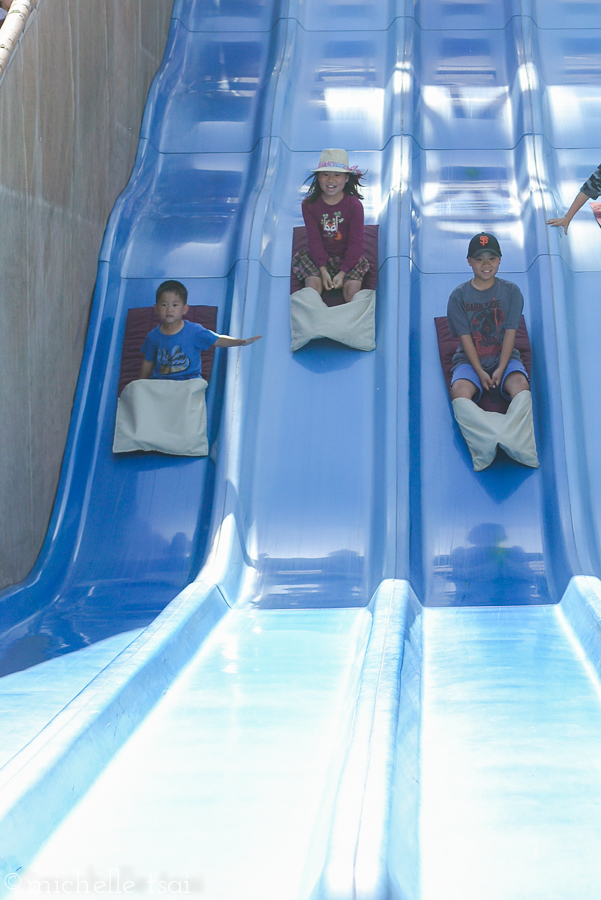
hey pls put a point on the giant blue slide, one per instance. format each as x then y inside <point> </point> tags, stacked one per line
<point>329,661</point>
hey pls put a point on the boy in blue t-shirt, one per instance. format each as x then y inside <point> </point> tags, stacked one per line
<point>172,349</point>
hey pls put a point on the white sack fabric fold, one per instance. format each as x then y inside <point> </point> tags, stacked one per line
<point>353,324</point>
<point>485,431</point>
<point>163,415</point>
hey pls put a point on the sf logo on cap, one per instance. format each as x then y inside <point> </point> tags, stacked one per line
<point>483,240</point>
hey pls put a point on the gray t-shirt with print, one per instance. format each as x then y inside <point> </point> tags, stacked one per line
<point>485,315</point>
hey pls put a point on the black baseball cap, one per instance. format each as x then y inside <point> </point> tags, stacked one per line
<point>483,241</point>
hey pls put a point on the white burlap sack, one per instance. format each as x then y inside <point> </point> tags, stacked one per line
<point>353,324</point>
<point>164,415</point>
<point>485,431</point>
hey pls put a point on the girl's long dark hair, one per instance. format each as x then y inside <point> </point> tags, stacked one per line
<point>351,187</point>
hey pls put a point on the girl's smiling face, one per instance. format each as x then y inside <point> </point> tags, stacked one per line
<point>332,186</point>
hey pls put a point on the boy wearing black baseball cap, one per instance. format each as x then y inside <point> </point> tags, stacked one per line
<point>484,313</point>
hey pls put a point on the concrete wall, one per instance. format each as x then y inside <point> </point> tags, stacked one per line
<point>71,104</point>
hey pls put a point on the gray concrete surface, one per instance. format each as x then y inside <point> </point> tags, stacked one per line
<point>71,104</point>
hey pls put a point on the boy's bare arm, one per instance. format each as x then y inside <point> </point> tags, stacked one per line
<point>469,349</point>
<point>506,351</point>
<point>224,340</point>
<point>146,370</point>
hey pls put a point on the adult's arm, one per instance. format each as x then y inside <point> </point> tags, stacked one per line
<point>564,221</point>
<point>590,190</point>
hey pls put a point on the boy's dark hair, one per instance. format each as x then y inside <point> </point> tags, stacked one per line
<point>351,187</point>
<point>172,287</point>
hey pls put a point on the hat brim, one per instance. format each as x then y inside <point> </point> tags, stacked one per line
<point>340,170</point>
<point>484,250</point>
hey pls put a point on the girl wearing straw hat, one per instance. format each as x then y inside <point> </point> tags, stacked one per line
<point>333,215</point>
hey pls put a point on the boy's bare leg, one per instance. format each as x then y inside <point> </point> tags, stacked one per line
<point>314,281</point>
<point>349,289</point>
<point>515,383</point>
<point>463,387</point>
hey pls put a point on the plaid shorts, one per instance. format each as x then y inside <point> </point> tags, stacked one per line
<point>303,266</point>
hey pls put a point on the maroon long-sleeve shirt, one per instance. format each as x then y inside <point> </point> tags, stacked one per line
<point>335,231</point>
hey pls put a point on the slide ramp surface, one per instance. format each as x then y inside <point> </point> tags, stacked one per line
<point>508,796</point>
<point>338,469</point>
<point>129,532</point>
<point>299,538</point>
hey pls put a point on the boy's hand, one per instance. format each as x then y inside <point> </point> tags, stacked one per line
<point>497,376</point>
<point>325,278</point>
<point>251,340</point>
<point>485,380</point>
<point>338,280</point>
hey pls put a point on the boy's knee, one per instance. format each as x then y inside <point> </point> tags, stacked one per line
<point>515,383</point>
<point>463,388</point>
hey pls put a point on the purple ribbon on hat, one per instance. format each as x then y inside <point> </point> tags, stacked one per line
<point>338,165</point>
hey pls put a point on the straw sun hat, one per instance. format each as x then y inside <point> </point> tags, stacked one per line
<point>332,160</point>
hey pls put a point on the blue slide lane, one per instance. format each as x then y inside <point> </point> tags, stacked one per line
<point>129,532</point>
<point>329,661</point>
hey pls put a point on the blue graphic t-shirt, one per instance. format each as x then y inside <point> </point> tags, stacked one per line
<point>177,355</point>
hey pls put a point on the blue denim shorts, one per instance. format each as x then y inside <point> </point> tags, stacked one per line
<point>467,371</point>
